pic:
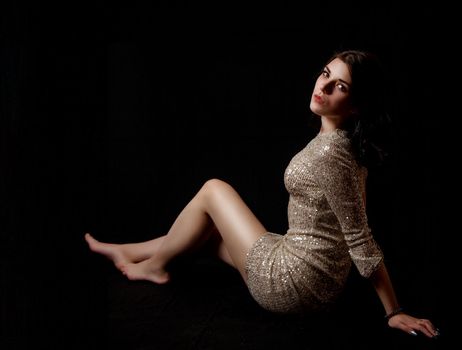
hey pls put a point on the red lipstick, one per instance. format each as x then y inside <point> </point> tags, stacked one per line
<point>318,99</point>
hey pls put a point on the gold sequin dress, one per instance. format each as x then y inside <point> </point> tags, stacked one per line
<point>306,269</point>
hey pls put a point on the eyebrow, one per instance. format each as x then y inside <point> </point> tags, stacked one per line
<point>343,81</point>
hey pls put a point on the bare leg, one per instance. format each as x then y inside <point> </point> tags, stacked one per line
<point>122,254</point>
<point>216,246</point>
<point>217,204</point>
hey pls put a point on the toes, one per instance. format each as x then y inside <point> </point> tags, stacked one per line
<point>89,238</point>
<point>122,268</point>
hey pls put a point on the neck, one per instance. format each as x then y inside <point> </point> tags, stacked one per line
<point>329,125</point>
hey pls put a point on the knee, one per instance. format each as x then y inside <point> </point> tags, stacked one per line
<point>214,186</point>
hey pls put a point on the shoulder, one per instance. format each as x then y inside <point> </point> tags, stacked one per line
<point>335,162</point>
<point>335,146</point>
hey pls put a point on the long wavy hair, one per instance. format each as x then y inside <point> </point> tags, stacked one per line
<point>370,124</point>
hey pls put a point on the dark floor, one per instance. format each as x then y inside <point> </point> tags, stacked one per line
<point>86,303</point>
<point>208,307</point>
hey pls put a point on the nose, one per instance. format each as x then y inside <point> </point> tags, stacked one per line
<point>327,87</point>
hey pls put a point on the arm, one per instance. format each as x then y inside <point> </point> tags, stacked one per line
<point>345,193</point>
<point>384,288</point>
<point>382,284</point>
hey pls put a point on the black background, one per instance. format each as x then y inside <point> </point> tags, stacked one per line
<point>112,117</point>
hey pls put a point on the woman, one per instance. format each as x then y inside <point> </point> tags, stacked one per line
<point>305,269</point>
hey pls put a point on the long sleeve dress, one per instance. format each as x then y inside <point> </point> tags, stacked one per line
<point>306,268</point>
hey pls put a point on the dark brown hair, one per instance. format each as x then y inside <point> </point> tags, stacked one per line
<point>370,120</point>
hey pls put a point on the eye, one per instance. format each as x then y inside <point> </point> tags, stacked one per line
<point>325,73</point>
<point>341,87</point>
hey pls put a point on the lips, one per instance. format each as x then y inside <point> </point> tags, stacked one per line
<point>318,99</point>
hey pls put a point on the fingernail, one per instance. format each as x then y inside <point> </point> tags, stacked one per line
<point>413,332</point>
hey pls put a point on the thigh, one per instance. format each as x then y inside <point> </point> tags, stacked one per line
<point>234,220</point>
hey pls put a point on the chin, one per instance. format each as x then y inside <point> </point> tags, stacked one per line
<point>314,109</point>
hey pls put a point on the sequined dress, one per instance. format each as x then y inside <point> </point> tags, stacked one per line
<point>306,268</point>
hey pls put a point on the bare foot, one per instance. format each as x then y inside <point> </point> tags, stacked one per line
<point>147,271</point>
<point>113,252</point>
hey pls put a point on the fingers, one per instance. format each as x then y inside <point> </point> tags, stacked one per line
<point>408,329</point>
<point>428,328</point>
<point>424,330</point>
<point>425,327</point>
<point>414,326</point>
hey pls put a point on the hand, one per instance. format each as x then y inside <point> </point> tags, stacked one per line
<point>410,324</point>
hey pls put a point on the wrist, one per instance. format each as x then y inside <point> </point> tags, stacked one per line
<point>394,312</point>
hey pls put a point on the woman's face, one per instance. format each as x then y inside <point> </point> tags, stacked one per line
<point>331,93</point>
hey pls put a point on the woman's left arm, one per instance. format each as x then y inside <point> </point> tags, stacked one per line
<point>337,176</point>
<point>396,318</point>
